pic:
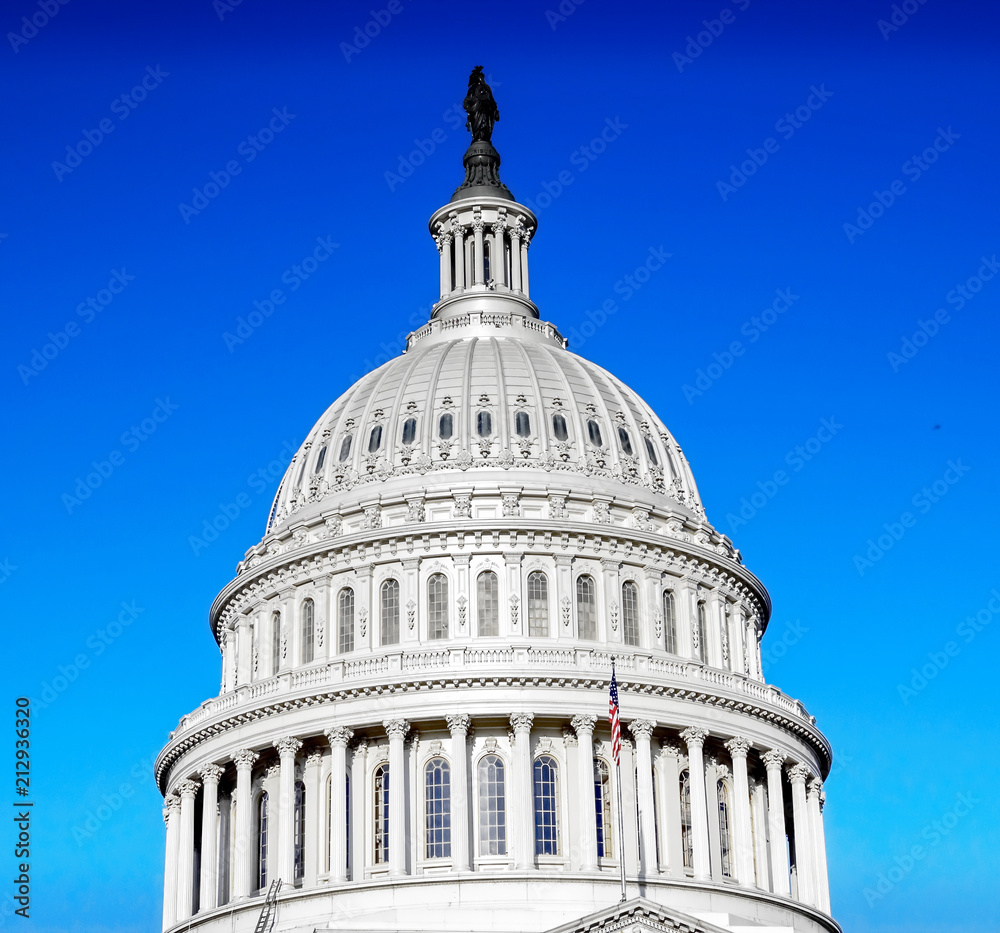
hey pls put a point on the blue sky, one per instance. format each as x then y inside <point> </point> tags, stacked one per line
<point>874,541</point>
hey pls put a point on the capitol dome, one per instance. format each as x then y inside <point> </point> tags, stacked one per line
<point>412,729</point>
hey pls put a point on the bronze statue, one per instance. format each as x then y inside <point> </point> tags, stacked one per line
<point>480,106</point>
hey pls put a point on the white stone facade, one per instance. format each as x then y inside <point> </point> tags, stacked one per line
<point>412,730</point>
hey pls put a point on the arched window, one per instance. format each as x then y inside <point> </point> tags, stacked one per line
<point>724,832</point>
<point>492,806</point>
<point>669,622</point>
<point>586,607</point>
<point>299,830</point>
<point>522,424</point>
<point>275,642</point>
<point>625,441</point>
<point>375,439</point>
<point>409,430</point>
<point>630,613</point>
<point>651,450</point>
<point>381,838</point>
<point>546,775</point>
<point>602,806</point>
<point>484,424</point>
<point>390,612</point>
<point>698,632</point>
<point>437,809</point>
<point>345,620</point>
<point>687,848</point>
<point>488,603</point>
<point>262,841</point>
<point>308,630</point>
<point>446,425</point>
<point>559,427</point>
<point>538,604</point>
<point>437,606</point>
<point>321,459</point>
<point>345,447</point>
<point>487,251</point>
<point>302,472</point>
<point>594,433</point>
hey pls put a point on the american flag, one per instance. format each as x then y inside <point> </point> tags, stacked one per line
<point>616,726</point>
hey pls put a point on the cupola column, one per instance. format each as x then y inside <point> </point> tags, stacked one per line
<point>459,726</point>
<point>773,761</point>
<point>338,737</point>
<point>244,759</point>
<point>228,660</point>
<point>816,799</point>
<point>287,748</point>
<point>478,265</point>
<point>515,258</point>
<point>695,740</point>
<point>498,270</point>
<point>172,817</point>
<point>805,869</point>
<point>738,749</point>
<point>208,891</point>
<point>586,816</point>
<point>396,729</point>
<point>522,807</point>
<point>444,248</point>
<point>185,856</point>
<point>458,235</point>
<point>525,240</point>
<point>244,649</point>
<point>642,729</point>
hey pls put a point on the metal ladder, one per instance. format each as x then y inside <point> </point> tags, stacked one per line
<point>266,919</point>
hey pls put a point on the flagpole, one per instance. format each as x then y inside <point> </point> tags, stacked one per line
<point>621,810</point>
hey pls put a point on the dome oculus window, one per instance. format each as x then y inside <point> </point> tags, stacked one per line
<point>446,425</point>
<point>625,441</point>
<point>522,424</point>
<point>409,431</point>
<point>375,439</point>
<point>594,433</point>
<point>484,424</point>
<point>345,447</point>
<point>559,427</point>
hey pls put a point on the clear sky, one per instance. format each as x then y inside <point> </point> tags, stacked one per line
<point>827,191</point>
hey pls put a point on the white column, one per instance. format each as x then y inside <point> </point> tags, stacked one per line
<point>360,791</point>
<point>586,814</point>
<point>459,254</point>
<point>525,240</point>
<point>758,810</point>
<point>244,651</point>
<point>515,259</point>
<point>816,799</point>
<point>671,854</point>
<point>228,660</point>
<point>805,869</point>
<point>312,852</point>
<point>459,725</point>
<point>338,737</point>
<point>244,759</point>
<point>396,729</point>
<point>478,271</point>
<point>287,748</point>
<point>185,853</point>
<point>642,729</point>
<point>522,805</point>
<point>172,817</point>
<point>773,761</point>
<point>742,825</point>
<point>272,784</point>
<point>443,241</point>
<point>209,888</point>
<point>695,740</point>
<point>627,775</point>
<point>497,271</point>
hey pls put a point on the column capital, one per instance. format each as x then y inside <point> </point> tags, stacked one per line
<point>521,722</point>
<point>583,722</point>
<point>314,759</point>
<point>642,728</point>
<point>738,746</point>
<point>569,736</point>
<point>288,745</point>
<point>459,723</point>
<point>273,772</point>
<point>694,737</point>
<point>171,804</point>
<point>339,736</point>
<point>396,728</point>
<point>670,748</point>
<point>188,788</point>
<point>798,774</point>
<point>210,774</point>
<point>815,788</point>
<point>775,758</point>
<point>245,758</point>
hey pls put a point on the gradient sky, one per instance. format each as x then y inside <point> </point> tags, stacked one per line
<point>845,635</point>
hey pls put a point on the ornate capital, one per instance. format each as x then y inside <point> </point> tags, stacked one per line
<point>521,722</point>
<point>339,736</point>
<point>245,759</point>
<point>210,774</point>
<point>458,724</point>
<point>274,773</point>
<point>798,774</point>
<point>171,804</point>
<point>641,728</point>
<point>583,724</point>
<point>815,788</point>
<point>289,745</point>
<point>188,788</point>
<point>396,728</point>
<point>721,772</point>
<point>669,748</point>
<point>773,759</point>
<point>694,737</point>
<point>314,759</point>
<point>738,746</point>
